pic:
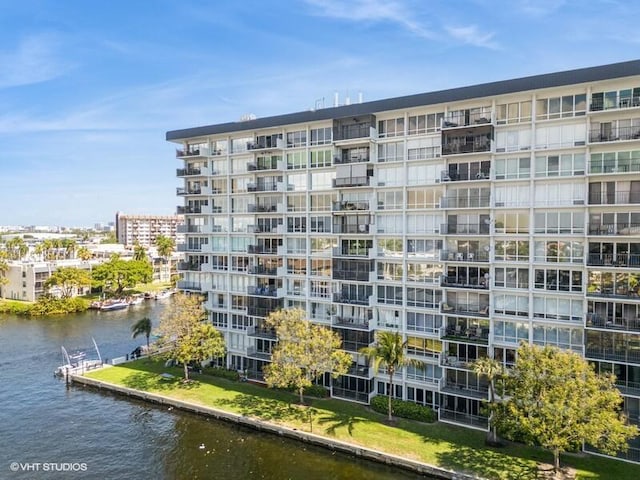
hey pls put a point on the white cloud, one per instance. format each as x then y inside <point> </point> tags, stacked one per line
<point>372,10</point>
<point>472,35</point>
<point>34,60</point>
<point>539,8</point>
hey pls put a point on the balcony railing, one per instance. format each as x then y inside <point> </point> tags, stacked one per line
<point>464,228</point>
<point>351,275</point>
<point>615,198</point>
<point>261,249</point>
<point>614,229</point>
<point>351,299</point>
<point>191,152</point>
<point>350,228</point>
<point>253,352</point>
<point>184,285</point>
<point>614,260</point>
<point>449,176</point>
<point>182,209</point>
<point>262,187</point>
<point>261,332</point>
<point>186,172</point>
<point>469,147</point>
<point>464,282</point>
<point>358,371</point>
<point>476,256</point>
<point>351,252</point>
<point>463,418</point>
<point>257,208</point>
<point>464,118</point>
<point>190,229</point>
<point>351,182</point>
<point>611,354</point>
<point>468,309</point>
<point>613,323</point>
<point>471,333</point>
<point>262,270</point>
<point>350,159</point>
<point>189,266</point>
<point>262,291</point>
<point>350,322</point>
<point>361,397</point>
<point>349,205</point>
<point>616,134</point>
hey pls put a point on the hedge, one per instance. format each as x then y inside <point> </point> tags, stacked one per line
<point>402,408</point>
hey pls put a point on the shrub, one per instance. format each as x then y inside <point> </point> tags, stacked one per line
<point>404,409</point>
<point>222,372</point>
<point>15,307</point>
<point>316,391</point>
<point>46,305</point>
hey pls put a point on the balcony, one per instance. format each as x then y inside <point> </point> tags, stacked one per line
<point>598,104</point>
<point>351,252</point>
<point>192,152</point>
<point>360,397</point>
<point>475,256</point>
<point>262,250</point>
<point>351,299</point>
<point>262,332</point>
<point>464,228</point>
<point>263,270</point>
<point>262,187</point>
<point>465,309</point>
<point>470,333</point>
<point>265,291</point>
<point>188,172</point>
<point>188,191</point>
<point>616,134</point>
<point>190,229</point>
<point>189,266</point>
<point>613,323</point>
<point>350,322</point>
<point>262,165</point>
<point>466,147</point>
<point>631,260</point>
<point>625,355</point>
<point>467,118</point>
<point>350,206</point>
<point>464,176</point>
<point>348,228</point>
<point>264,208</point>
<point>475,201</point>
<point>614,198</point>
<point>184,285</point>
<point>185,209</point>
<point>614,229</point>
<point>462,418</point>
<point>253,352</point>
<point>351,182</point>
<point>477,283</point>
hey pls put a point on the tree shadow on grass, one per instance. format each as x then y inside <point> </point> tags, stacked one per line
<point>339,420</point>
<point>151,381</point>
<point>265,408</point>
<point>488,463</point>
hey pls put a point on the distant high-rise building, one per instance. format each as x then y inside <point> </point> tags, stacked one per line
<point>143,229</point>
<point>469,220</point>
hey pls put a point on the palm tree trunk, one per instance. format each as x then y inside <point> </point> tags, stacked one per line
<point>390,393</point>
<point>556,459</point>
<point>186,371</point>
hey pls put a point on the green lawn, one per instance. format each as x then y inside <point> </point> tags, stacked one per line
<point>438,444</point>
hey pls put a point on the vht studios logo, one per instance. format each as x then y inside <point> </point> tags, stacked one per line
<point>48,467</point>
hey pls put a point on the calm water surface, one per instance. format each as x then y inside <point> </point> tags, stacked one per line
<point>117,438</point>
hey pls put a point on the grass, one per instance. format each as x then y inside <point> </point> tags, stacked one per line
<point>446,446</point>
<point>139,288</point>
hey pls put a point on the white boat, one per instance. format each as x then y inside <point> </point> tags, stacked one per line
<point>164,294</point>
<point>77,363</point>
<point>114,305</point>
<point>136,300</point>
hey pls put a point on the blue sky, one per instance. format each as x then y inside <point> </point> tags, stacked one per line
<point>88,89</point>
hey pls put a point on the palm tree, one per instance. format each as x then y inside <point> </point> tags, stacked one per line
<point>165,246</point>
<point>142,327</point>
<point>492,370</point>
<point>139,252</point>
<point>84,253</point>
<point>389,352</point>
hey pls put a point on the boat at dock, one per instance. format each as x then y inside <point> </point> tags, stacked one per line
<point>110,305</point>
<point>164,294</point>
<point>78,362</point>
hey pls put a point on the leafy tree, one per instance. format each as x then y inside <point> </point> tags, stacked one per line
<point>142,327</point>
<point>69,246</point>
<point>139,252</point>
<point>165,246</point>
<point>492,370</point>
<point>68,279</point>
<point>389,352</point>
<point>110,237</point>
<point>557,400</point>
<point>181,331</point>
<point>118,274</point>
<point>304,352</point>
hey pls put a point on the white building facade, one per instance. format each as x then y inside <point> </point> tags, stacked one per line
<point>144,229</point>
<point>468,219</point>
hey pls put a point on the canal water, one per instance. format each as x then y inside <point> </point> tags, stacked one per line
<point>103,436</point>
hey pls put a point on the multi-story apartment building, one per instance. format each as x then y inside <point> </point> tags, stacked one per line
<point>143,229</point>
<point>468,219</point>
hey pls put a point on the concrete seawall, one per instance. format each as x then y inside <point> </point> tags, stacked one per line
<point>268,427</point>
